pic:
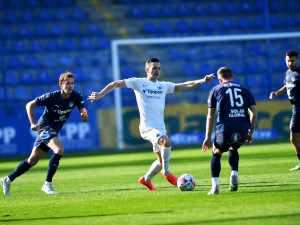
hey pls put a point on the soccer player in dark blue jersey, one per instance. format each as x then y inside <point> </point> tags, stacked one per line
<point>234,126</point>
<point>58,107</point>
<point>292,89</point>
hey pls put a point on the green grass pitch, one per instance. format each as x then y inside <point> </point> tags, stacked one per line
<point>104,189</point>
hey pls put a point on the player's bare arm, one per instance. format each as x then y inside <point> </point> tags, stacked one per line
<point>111,86</point>
<point>209,128</point>
<point>281,91</point>
<point>193,84</point>
<point>84,115</point>
<point>253,120</point>
<point>30,112</point>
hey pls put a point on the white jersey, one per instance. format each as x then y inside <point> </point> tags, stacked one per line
<point>151,98</point>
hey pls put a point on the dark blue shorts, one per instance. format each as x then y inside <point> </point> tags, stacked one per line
<point>295,121</point>
<point>223,141</point>
<point>46,133</point>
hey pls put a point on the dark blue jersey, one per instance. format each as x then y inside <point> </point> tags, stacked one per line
<point>292,82</point>
<point>57,110</point>
<point>232,102</point>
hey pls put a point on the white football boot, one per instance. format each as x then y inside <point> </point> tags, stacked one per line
<point>48,189</point>
<point>6,186</point>
<point>214,191</point>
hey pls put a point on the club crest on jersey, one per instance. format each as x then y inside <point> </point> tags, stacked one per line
<point>236,137</point>
<point>71,104</point>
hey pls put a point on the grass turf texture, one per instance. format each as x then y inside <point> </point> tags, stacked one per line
<point>104,189</point>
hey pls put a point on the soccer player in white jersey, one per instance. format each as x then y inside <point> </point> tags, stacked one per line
<point>150,95</point>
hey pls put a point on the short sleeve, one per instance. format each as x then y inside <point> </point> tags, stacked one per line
<point>212,101</point>
<point>131,83</point>
<point>43,99</point>
<point>80,101</point>
<point>169,87</point>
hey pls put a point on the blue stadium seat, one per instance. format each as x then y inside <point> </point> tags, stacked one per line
<point>57,74</point>
<point>175,54</point>
<point>223,51</point>
<point>27,77</point>
<point>152,11</point>
<point>79,14</point>
<point>53,45</point>
<point>96,75</point>
<point>49,61</point>
<point>40,30</point>
<point>251,81</point>
<point>28,16</point>
<point>50,4</point>
<point>94,29</point>
<point>32,61</point>
<point>90,87</point>
<point>231,8</point>
<point>44,77</point>
<point>38,91</point>
<point>57,30</point>
<point>24,31</point>
<point>128,71</point>
<point>291,20</point>
<point>137,12</point>
<point>165,26</point>
<point>3,5</point>
<point>4,48</point>
<point>20,46</point>
<point>103,43</point>
<point>255,49</point>
<point>277,6</point>
<point>198,25</point>
<point>70,44</point>
<point>212,24</point>
<point>22,93</point>
<point>14,62</point>
<point>244,23</point>
<point>215,8</point>
<point>184,10</point>
<point>83,59</point>
<point>189,70</point>
<point>205,68</point>
<point>149,27</point>
<point>228,23</point>
<point>199,9</point>
<point>67,2</point>
<point>44,15</point>
<point>275,21</point>
<point>16,3</point>
<point>54,87</point>
<point>80,76</point>
<point>6,96</point>
<point>258,22</point>
<point>192,54</point>
<point>66,60</point>
<point>62,14</point>
<point>86,44</point>
<point>74,29</point>
<point>168,10</point>
<point>247,7</point>
<point>252,66</point>
<point>259,5</point>
<point>36,46</point>
<point>293,5</point>
<point>12,16</point>
<point>33,3</point>
<point>2,107</point>
<point>238,68</point>
<point>286,47</point>
<point>7,32</point>
<point>11,78</point>
<point>182,26</point>
<point>78,88</point>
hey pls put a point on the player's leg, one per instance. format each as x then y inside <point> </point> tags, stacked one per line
<point>165,146</point>
<point>295,140</point>
<point>24,166</point>
<point>58,149</point>
<point>154,169</point>
<point>233,159</point>
<point>215,167</point>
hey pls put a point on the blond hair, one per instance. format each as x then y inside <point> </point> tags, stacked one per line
<point>66,75</point>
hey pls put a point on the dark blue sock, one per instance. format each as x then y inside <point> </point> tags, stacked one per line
<point>21,168</point>
<point>215,165</point>
<point>298,155</point>
<point>233,159</point>
<point>53,164</point>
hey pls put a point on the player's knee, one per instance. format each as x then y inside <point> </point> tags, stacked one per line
<point>32,161</point>
<point>217,151</point>
<point>59,151</point>
<point>166,142</point>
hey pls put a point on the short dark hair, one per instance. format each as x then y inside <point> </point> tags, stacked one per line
<point>225,72</point>
<point>151,60</point>
<point>292,53</point>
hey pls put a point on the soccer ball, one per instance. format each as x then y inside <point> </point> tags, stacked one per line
<point>186,182</point>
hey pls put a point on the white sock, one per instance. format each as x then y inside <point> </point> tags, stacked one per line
<point>165,155</point>
<point>155,168</point>
<point>234,173</point>
<point>8,180</point>
<point>48,183</point>
<point>215,181</point>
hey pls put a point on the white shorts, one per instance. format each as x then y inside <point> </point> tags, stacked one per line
<point>153,135</point>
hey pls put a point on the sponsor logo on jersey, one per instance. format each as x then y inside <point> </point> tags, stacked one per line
<point>71,104</point>
<point>236,113</point>
<point>236,137</point>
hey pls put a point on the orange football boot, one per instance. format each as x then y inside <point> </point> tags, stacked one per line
<point>147,184</point>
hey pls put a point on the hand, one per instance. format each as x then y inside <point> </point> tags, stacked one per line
<point>34,127</point>
<point>95,96</point>
<point>272,95</point>
<point>209,77</point>
<point>248,139</point>
<point>206,144</point>
<point>84,115</point>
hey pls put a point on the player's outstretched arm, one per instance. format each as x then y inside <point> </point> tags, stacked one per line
<point>84,115</point>
<point>30,113</point>
<point>209,128</point>
<point>193,84</point>
<point>111,86</point>
<point>253,120</point>
<point>281,91</point>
